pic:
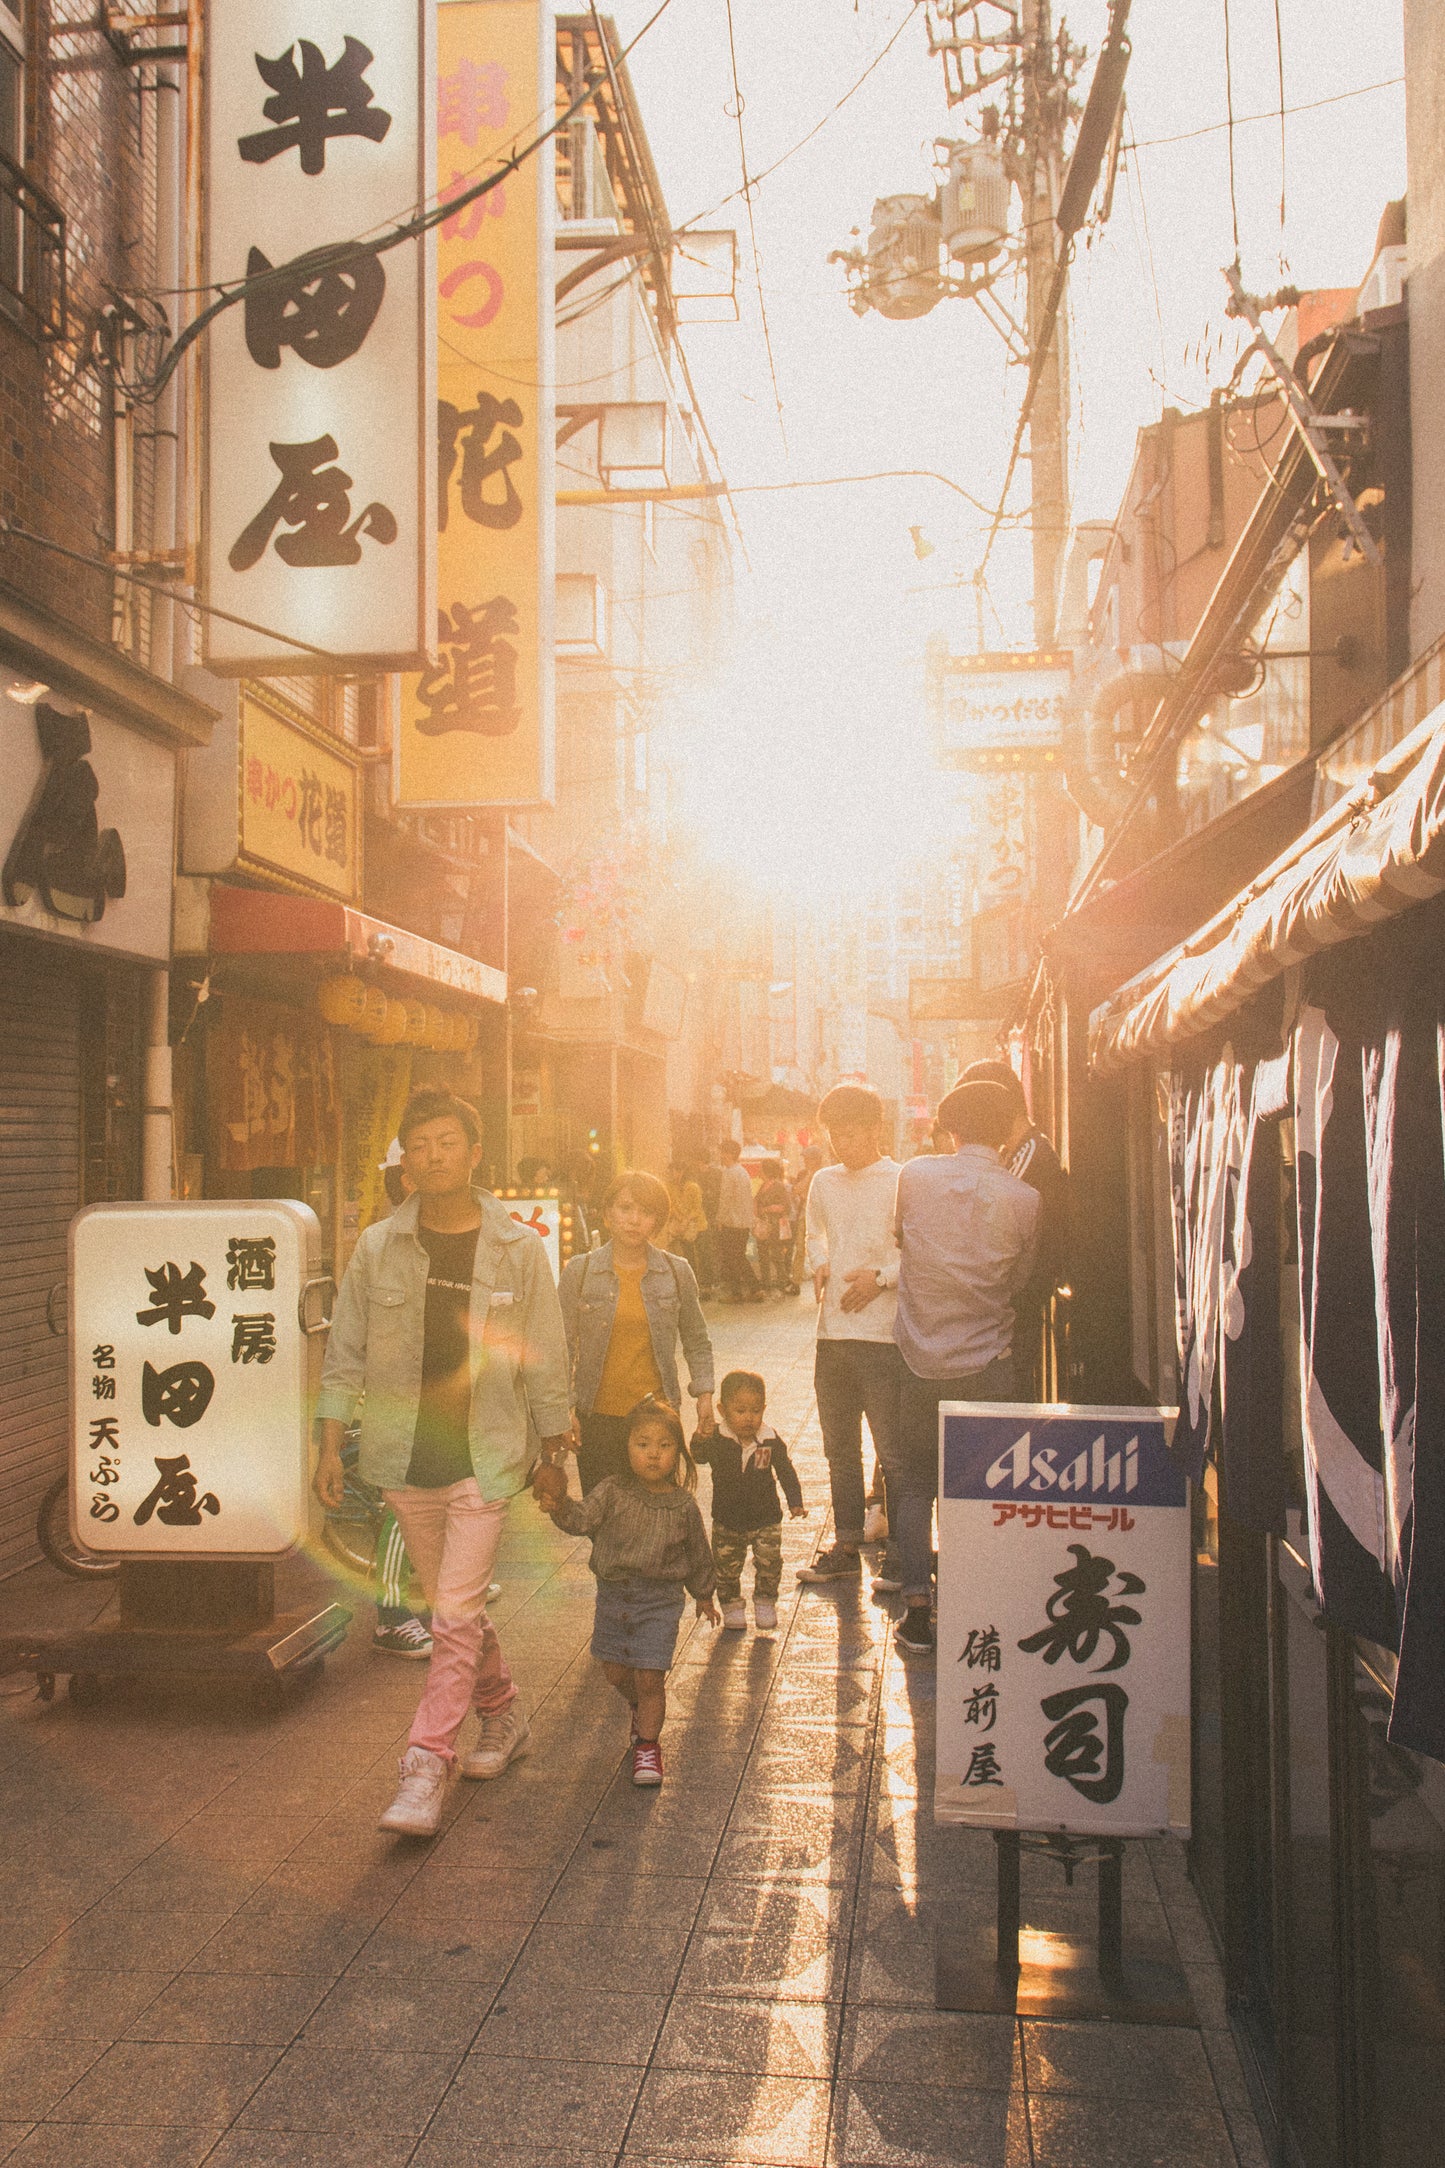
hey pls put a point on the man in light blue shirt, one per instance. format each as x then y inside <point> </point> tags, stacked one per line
<point>967,1233</point>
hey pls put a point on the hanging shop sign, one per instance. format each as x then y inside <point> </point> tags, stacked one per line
<point>320,452</point>
<point>1000,711</point>
<point>87,828</point>
<point>549,1216</point>
<point>477,725</point>
<point>189,1332</point>
<point>299,811</point>
<point>1063,1621</point>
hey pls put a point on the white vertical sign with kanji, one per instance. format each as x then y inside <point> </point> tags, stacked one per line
<point>320,414</point>
<point>189,1376</point>
<point>1063,1621</point>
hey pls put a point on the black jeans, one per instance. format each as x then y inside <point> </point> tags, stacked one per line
<point>913,1489</point>
<point>854,1378</point>
<point>603,1450</point>
<point>733,1270</point>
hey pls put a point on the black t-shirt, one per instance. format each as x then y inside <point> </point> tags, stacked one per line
<point>441,1450</point>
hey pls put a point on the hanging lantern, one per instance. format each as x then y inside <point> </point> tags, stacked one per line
<point>342,1000</point>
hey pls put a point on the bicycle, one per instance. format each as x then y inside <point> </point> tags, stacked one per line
<point>52,1533</point>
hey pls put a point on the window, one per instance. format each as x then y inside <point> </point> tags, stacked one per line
<point>12,137</point>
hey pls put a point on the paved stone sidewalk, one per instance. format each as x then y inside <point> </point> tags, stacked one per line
<point>209,1954</point>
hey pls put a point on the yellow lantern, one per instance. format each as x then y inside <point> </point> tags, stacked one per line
<point>373,1015</point>
<point>416,1023</point>
<point>342,1000</point>
<point>437,1029</point>
<point>393,1025</point>
<point>457,1038</point>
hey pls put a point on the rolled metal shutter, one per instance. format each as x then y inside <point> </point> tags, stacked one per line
<point>39,1192</point>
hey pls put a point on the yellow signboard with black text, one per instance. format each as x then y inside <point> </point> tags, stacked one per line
<point>477,726</point>
<point>299,805</point>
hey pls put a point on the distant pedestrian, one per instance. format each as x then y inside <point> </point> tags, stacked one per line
<point>686,1219</point>
<point>649,1545</point>
<point>852,1254</point>
<point>773,1221</point>
<point>626,1307</point>
<point>709,1182</point>
<point>733,1222</point>
<point>448,1322</point>
<point>1027,1152</point>
<point>398,1630</point>
<point>967,1232</point>
<point>748,1460</point>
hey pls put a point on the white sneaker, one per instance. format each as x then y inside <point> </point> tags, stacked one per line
<point>735,1616</point>
<point>765,1614</point>
<point>416,1810</point>
<point>875,1525</point>
<point>504,1737</point>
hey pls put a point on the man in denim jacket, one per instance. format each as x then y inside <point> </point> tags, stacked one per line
<point>448,1321</point>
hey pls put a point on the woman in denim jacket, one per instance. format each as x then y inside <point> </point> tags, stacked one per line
<point>625,1307</point>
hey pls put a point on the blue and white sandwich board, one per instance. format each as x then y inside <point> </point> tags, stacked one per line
<point>1063,1621</point>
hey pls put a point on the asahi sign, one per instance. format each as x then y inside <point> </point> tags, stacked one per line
<point>320,457</point>
<point>189,1387</point>
<point>1063,1621</point>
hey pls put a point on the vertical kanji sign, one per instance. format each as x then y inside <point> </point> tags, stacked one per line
<point>477,725</point>
<point>320,449</point>
<point>189,1376</point>
<point>1063,1621</point>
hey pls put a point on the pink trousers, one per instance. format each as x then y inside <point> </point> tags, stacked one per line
<point>452,1536</point>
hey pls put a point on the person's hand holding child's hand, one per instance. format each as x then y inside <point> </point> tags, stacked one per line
<point>549,1485</point>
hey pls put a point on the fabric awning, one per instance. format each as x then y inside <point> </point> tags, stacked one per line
<point>1372,856</point>
<point>261,922</point>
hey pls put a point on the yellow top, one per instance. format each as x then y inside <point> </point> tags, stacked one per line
<point>630,1372</point>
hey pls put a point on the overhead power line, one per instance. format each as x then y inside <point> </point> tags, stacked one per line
<point>746,193</point>
<point>817,128</point>
<point>1275,113</point>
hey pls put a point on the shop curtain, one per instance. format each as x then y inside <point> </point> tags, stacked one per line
<point>273,1082</point>
<point>1370,1133</point>
<point>1227,1282</point>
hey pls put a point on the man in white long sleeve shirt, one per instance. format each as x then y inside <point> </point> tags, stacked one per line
<point>852,1253</point>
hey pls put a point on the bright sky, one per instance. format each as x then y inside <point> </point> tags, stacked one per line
<point>825,692</point>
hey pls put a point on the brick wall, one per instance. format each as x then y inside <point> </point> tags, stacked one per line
<point>90,133</point>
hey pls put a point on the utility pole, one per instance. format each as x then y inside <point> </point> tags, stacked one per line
<point>1044,104</point>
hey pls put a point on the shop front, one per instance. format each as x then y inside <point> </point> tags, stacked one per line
<point>308,1025</point>
<point>1281,1082</point>
<point>87,838</point>
<point>301,1021</point>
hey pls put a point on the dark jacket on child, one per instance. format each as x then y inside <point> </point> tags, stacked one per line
<point>746,1496</point>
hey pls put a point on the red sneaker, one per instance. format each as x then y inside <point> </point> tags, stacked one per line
<point>647,1762</point>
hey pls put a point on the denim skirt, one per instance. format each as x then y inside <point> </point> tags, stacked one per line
<point>637,1622</point>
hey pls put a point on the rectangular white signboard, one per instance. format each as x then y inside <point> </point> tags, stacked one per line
<point>189,1377</point>
<point>1001,709</point>
<point>320,452</point>
<point>1063,1621</point>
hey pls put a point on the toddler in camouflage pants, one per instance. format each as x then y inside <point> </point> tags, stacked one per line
<point>748,1461</point>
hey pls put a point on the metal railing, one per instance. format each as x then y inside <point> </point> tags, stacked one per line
<point>32,253</point>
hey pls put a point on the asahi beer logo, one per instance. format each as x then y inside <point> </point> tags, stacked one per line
<point>60,853</point>
<point>1099,1468</point>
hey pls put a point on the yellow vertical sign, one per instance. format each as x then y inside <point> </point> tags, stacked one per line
<point>477,727</point>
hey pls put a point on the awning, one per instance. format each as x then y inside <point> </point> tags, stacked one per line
<point>1371,857</point>
<point>260,922</point>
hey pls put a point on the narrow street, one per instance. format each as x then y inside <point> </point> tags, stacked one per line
<point>215,1957</point>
